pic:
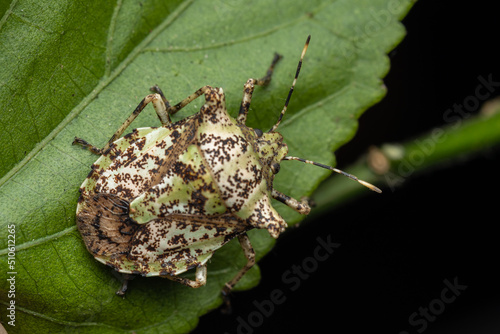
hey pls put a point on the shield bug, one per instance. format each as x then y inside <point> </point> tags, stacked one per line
<point>161,200</point>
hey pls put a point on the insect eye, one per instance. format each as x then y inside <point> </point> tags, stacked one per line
<point>258,132</point>
<point>275,167</point>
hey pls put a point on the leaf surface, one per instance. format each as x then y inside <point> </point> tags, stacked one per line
<point>81,68</point>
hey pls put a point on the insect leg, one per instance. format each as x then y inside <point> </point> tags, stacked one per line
<point>156,89</point>
<point>160,109</point>
<point>249,86</point>
<point>301,207</point>
<point>86,145</point>
<point>250,255</point>
<point>201,278</point>
<point>173,109</point>
<point>266,79</point>
<point>123,288</point>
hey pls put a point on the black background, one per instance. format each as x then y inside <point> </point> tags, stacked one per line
<point>398,248</point>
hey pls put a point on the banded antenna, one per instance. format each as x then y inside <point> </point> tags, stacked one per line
<point>283,111</point>
<point>352,177</point>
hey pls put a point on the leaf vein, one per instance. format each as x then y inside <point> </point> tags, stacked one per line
<point>41,240</point>
<point>32,24</point>
<point>227,43</point>
<point>8,13</point>
<point>58,321</point>
<point>100,86</point>
<point>109,40</point>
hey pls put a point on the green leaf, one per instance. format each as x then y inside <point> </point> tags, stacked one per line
<point>78,69</point>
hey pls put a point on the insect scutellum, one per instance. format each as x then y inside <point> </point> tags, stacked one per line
<point>283,111</point>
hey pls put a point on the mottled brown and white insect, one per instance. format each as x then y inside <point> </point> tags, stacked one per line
<point>160,201</point>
